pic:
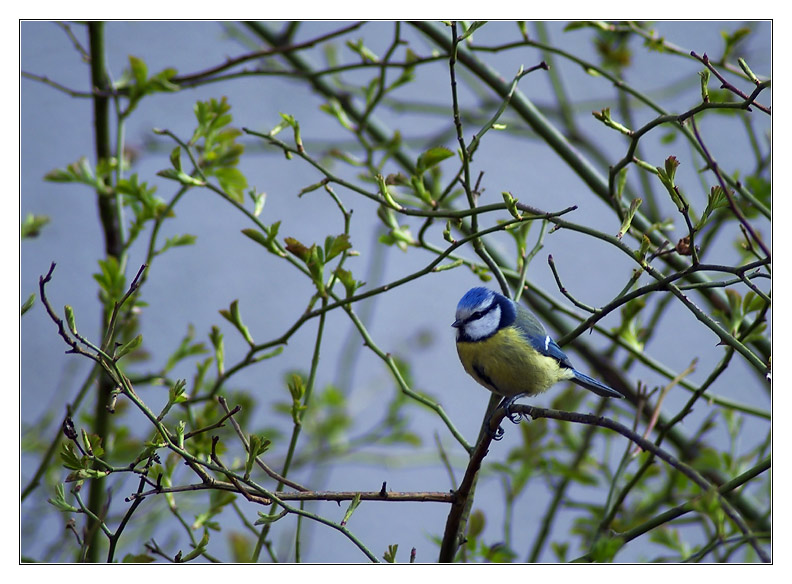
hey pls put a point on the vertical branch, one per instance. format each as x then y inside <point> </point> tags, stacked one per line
<point>460,508</point>
<point>108,215</point>
<point>100,85</point>
<point>296,430</point>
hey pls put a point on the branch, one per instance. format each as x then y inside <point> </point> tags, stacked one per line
<point>749,99</point>
<point>452,538</point>
<point>644,444</point>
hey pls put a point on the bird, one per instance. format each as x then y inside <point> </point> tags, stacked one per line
<point>505,348</point>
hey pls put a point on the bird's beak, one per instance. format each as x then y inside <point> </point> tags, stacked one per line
<point>457,323</point>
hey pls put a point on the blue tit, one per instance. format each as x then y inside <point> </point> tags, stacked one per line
<point>507,350</point>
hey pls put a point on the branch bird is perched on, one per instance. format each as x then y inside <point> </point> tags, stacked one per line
<point>507,350</point>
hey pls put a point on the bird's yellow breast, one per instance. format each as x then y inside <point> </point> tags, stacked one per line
<point>507,364</point>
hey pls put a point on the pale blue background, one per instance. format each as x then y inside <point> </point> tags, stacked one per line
<point>189,285</point>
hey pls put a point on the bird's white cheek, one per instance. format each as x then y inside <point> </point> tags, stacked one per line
<point>485,326</point>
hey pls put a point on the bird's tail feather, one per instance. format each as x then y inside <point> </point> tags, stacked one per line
<point>592,384</point>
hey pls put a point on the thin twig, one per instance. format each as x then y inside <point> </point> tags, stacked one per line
<point>272,474</point>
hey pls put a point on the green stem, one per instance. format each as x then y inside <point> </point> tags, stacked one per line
<point>667,516</point>
<point>297,428</point>
<point>114,245</point>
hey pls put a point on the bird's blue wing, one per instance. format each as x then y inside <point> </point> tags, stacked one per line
<point>533,331</point>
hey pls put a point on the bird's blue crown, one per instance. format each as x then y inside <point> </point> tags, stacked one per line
<point>474,297</point>
<point>477,297</point>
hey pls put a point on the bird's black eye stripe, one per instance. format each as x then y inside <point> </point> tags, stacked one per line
<point>478,314</point>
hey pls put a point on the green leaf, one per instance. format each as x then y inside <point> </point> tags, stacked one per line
<point>177,241</point>
<point>257,446</point>
<point>621,182</point>
<point>470,29</point>
<point>139,70</point>
<point>705,76</point>
<point>354,504</point>
<point>671,165</point>
<point>32,224</point>
<point>297,388</point>
<point>182,177</point>
<point>666,175</point>
<point>80,172</point>
<point>449,266</point>
<point>258,202</point>
<point>265,519</point>
<point>388,217</point>
<point>71,458</point>
<point>92,444</point>
<point>87,473</point>
<point>406,76</point>
<point>605,117</point>
<point>289,120</point>
<point>59,501</point>
<point>625,226</point>
<point>212,117</point>
<point>716,199</point>
<point>137,559</point>
<point>129,346</point>
<point>336,245</point>
<point>762,190</point>
<point>138,192</point>
<point>286,122</point>
<point>298,249</point>
<point>233,182</point>
<point>256,236</point>
<point>401,237</point>
<point>365,53</point>
<point>186,348</point>
<point>175,158</point>
<point>111,280</point>
<point>605,549</point>
<point>28,304</point>
<point>180,428</point>
<point>199,549</point>
<point>312,187</point>
<point>348,281</point>
<point>264,356</point>
<point>296,385</point>
<point>217,342</point>
<point>511,204</point>
<point>476,524</point>
<point>432,157</point>
<point>177,392</point>
<point>596,24</point>
<point>390,554</point>
<point>669,538</point>
<point>233,316</point>
<point>752,302</point>
<point>386,194</point>
<point>163,81</point>
<point>334,108</point>
<point>267,239</point>
<point>447,233</point>
<point>560,550</point>
<point>747,70</point>
<point>732,40</point>
<point>398,235</point>
<point>69,312</point>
